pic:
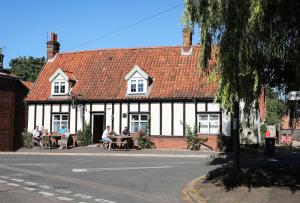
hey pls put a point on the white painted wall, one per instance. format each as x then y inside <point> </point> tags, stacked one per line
<point>39,115</point>
<point>87,113</point>
<point>79,117</point>
<point>190,114</point>
<point>31,112</point>
<point>117,118</point>
<point>72,120</point>
<point>108,114</point>
<point>98,107</point>
<point>201,106</point>
<point>47,115</point>
<point>144,107</point>
<point>134,107</point>
<point>55,108</point>
<point>155,119</point>
<point>226,124</point>
<point>124,110</point>
<point>166,119</point>
<point>178,119</point>
<point>213,106</point>
<point>65,108</point>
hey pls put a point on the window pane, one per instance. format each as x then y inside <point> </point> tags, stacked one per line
<point>214,117</point>
<point>144,126</point>
<point>144,117</point>
<point>62,87</point>
<point>203,126</point>
<point>133,86</point>
<point>64,123</point>
<point>140,86</point>
<point>203,117</point>
<point>56,126</point>
<point>134,127</point>
<point>135,117</point>
<point>64,117</point>
<point>56,117</point>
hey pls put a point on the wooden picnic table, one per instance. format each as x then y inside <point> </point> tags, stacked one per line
<point>119,140</point>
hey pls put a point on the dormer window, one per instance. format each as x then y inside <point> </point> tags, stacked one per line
<point>61,82</point>
<point>138,81</point>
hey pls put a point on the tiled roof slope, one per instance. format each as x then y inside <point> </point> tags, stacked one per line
<point>100,74</point>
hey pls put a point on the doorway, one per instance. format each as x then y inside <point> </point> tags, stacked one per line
<point>98,127</point>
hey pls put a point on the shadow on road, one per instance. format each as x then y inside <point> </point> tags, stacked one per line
<point>257,170</point>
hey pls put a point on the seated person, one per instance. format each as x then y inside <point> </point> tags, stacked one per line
<point>63,130</point>
<point>64,142</point>
<point>105,137</point>
<point>37,136</point>
<point>125,132</point>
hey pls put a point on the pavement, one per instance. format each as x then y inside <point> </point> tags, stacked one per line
<point>264,179</point>
<point>150,176</point>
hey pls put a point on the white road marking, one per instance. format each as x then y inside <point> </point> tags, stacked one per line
<point>63,191</point>
<point>33,164</point>
<point>65,198</point>
<point>17,180</point>
<point>31,183</point>
<point>3,181</point>
<point>104,200</point>
<point>83,170</point>
<point>4,177</point>
<point>47,194</point>
<point>29,188</point>
<point>83,196</point>
<point>13,184</point>
<point>46,187</point>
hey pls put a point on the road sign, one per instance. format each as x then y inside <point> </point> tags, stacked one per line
<point>294,95</point>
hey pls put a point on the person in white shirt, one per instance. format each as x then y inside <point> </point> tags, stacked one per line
<point>105,137</point>
<point>37,135</point>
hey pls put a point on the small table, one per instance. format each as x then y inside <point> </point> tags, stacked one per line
<point>119,138</point>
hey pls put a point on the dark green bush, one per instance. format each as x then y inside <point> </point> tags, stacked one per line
<point>27,139</point>
<point>84,136</point>
<point>145,141</point>
<point>194,142</point>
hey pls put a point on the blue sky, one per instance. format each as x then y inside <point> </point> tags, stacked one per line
<point>25,24</point>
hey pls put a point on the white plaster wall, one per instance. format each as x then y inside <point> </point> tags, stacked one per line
<point>79,117</point>
<point>72,120</point>
<point>213,106</point>
<point>144,107</point>
<point>178,119</point>
<point>55,108</point>
<point>166,119</point>
<point>134,107</point>
<point>98,107</point>
<point>117,118</point>
<point>47,115</point>
<point>201,106</point>
<point>39,115</point>
<point>124,110</point>
<point>226,124</point>
<point>87,113</point>
<point>31,112</point>
<point>64,108</point>
<point>155,119</point>
<point>108,114</point>
<point>190,114</point>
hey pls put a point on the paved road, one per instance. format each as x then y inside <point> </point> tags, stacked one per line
<point>33,178</point>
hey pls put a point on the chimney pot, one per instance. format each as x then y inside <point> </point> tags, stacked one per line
<point>52,46</point>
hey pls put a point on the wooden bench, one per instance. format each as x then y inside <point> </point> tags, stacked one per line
<point>105,144</point>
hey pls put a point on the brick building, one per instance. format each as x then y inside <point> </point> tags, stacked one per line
<point>12,111</point>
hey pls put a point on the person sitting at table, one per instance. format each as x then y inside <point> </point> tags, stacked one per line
<point>37,136</point>
<point>63,130</point>
<point>125,132</point>
<point>64,143</point>
<point>105,137</point>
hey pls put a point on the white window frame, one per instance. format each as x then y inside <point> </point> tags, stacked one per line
<point>60,84</point>
<point>139,121</point>
<point>209,123</point>
<point>60,121</point>
<point>137,82</point>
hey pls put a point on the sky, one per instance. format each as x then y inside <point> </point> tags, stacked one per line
<point>25,24</point>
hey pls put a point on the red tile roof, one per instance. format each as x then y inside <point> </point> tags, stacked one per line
<point>27,84</point>
<point>100,74</point>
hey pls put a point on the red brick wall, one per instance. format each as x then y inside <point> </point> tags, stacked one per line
<point>12,113</point>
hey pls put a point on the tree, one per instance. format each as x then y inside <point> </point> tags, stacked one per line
<point>27,68</point>
<point>258,45</point>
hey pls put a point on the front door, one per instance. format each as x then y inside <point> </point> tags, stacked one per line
<point>98,127</point>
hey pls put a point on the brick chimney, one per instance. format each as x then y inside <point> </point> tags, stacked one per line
<point>1,59</point>
<point>187,41</point>
<point>52,46</point>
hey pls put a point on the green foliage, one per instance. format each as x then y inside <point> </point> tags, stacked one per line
<point>27,68</point>
<point>276,107</point>
<point>259,45</point>
<point>27,139</point>
<point>194,142</point>
<point>84,136</point>
<point>144,140</point>
<point>263,130</point>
